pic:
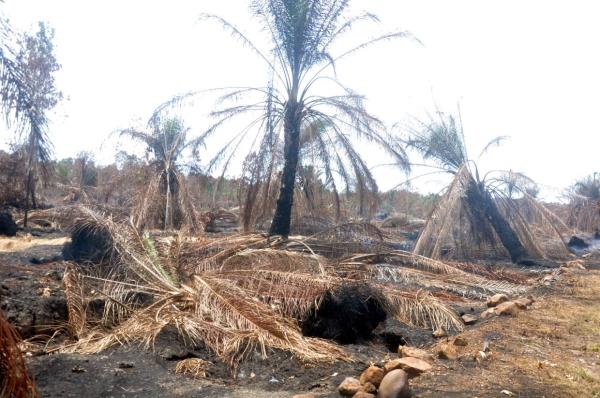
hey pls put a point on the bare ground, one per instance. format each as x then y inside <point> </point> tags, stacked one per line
<point>550,350</point>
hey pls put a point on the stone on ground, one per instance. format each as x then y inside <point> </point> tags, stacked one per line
<point>413,366</point>
<point>469,319</point>
<point>373,375</point>
<point>349,387</point>
<point>406,351</point>
<point>394,385</point>
<point>497,299</point>
<point>447,351</point>
<point>507,308</point>
<point>362,394</point>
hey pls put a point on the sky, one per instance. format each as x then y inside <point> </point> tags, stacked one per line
<point>526,69</point>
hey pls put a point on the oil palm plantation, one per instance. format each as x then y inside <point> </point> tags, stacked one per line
<point>302,91</point>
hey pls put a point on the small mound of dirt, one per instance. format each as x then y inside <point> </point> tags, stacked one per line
<point>348,314</point>
<point>8,227</point>
<point>89,244</point>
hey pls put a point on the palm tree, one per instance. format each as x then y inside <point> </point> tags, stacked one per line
<point>27,94</point>
<point>302,70</point>
<point>166,139</point>
<point>478,213</point>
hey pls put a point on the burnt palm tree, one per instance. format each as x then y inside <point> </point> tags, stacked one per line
<point>302,91</point>
<point>27,93</point>
<point>166,140</point>
<point>584,206</point>
<point>478,212</point>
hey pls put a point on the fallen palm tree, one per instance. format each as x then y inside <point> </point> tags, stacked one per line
<point>15,382</point>
<point>480,217</point>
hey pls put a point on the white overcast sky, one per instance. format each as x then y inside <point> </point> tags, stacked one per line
<point>527,69</point>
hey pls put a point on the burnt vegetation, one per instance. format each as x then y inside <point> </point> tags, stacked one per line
<point>299,251</point>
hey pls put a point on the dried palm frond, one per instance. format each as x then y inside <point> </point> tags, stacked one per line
<point>14,379</point>
<point>194,367</point>
<point>75,303</point>
<point>280,260</point>
<point>217,313</point>
<point>422,309</point>
<point>343,240</point>
<point>208,255</point>
<point>466,285</point>
<point>292,294</point>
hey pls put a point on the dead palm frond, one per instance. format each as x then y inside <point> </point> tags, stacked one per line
<point>76,307</point>
<point>14,379</point>
<point>246,293</point>
<point>194,367</point>
<point>422,309</point>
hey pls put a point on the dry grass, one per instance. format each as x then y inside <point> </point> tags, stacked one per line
<point>550,350</point>
<point>19,244</point>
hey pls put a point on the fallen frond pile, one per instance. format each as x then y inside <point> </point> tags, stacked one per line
<point>250,293</point>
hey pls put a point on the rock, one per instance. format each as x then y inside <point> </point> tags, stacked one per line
<point>373,375</point>
<point>349,387</point>
<point>363,394</point>
<point>497,299</point>
<point>469,319</point>
<point>488,313</point>
<point>368,388</point>
<point>304,396</point>
<point>507,308</point>
<point>447,351</point>
<point>438,333</point>
<point>412,366</point>
<point>461,342</point>
<point>523,303</point>
<point>394,385</point>
<point>406,351</point>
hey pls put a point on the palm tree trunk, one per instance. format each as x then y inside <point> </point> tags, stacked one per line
<point>167,221</point>
<point>480,198</point>
<point>283,212</point>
